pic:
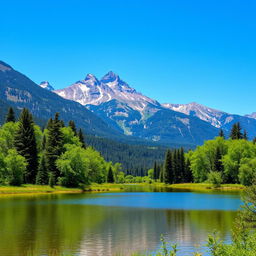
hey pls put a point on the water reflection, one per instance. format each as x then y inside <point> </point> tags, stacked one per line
<point>55,224</point>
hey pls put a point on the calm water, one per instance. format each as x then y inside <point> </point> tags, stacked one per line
<point>112,223</point>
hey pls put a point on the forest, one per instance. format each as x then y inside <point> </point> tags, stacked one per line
<point>54,155</point>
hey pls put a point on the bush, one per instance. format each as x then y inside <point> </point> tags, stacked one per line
<point>215,179</point>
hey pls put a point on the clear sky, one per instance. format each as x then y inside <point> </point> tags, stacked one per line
<point>174,51</point>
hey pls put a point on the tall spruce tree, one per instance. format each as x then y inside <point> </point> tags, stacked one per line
<point>72,125</point>
<point>168,168</point>
<point>81,138</point>
<point>236,133</point>
<point>10,117</point>
<point>110,178</point>
<point>221,134</point>
<point>218,166</point>
<point>182,165</point>
<point>54,145</point>
<point>25,143</point>
<point>42,174</point>
<point>188,177</point>
<point>245,137</point>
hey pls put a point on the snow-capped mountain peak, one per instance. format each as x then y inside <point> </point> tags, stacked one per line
<point>205,113</point>
<point>91,91</point>
<point>46,85</point>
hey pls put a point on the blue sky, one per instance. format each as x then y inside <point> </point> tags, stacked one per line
<point>173,51</point>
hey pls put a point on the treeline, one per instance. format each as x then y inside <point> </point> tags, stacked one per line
<point>221,160</point>
<point>136,159</point>
<point>55,155</point>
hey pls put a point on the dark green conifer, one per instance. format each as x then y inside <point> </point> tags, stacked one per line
<point>110,178</point>
<point>236,133</point>
<point>25,143</point>
<point>221,134</point>
<point>42,174</point>
<point>168,168</point>
<point>10,117</point>
<point>54,145</point>
<point>218,166</point>
<point>51,180</point>
<point>81,138</point>
<point>188,177</point>
<point>245,137</point>
<point>72,125</point>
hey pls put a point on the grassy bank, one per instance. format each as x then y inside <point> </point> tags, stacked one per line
<point>202,186</point>
<point>43,189</point>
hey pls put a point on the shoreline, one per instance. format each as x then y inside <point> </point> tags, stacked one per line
<point>95,188</point>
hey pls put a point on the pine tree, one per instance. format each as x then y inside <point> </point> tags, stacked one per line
<point>72,125</point>
<point>168,168</point>
<point>221,134</point>
<point>218,166</point>
<point>188,177</point>
<point>81,138</point>
<point>42,174</point>
<point>235,133</point>
<point>25,143</point>
<point>51,180</point>
<point>245,137</point>
<point>110,178</point>
<point>10,117</point>
<point>254,140</point>
<point>182,165</point>
<point>155,174</point>
<point>54,145</point>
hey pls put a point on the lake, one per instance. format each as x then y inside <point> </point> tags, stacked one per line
<point>113,223</point>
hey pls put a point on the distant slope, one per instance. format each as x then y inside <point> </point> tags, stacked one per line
<point>18,90</point>
<point>216,118</point>
<point>135,114</point>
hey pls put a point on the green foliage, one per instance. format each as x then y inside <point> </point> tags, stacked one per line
<point>25,144</point>
<point>233,159</point>
<point>15,167</point>
<point>215,178</point>
<point>73,166</point>
<point>81,138</point>
<point>151,173</point>
<point>69,136</point>
<point>7,133</point>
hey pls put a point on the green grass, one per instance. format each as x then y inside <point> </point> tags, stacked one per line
<point>42,189</point>
<point>202,186</point>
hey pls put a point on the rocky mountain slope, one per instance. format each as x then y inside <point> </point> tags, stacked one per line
<point>135,114</point>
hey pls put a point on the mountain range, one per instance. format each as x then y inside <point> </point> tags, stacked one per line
<point>110,108</point>
<point>135,114</point>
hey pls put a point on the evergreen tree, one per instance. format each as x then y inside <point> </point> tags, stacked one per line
<point>168,168</point>
<point>245,137</point>
<point>221,134</point>
<point>54,145</point>
<point>81,138</point>
<point>110,178</point>
<point>44,142</point>
<point>10,117</point>
<point>155,174</point>
<point>236,133</point>
<point>42,174</point>
<point>51,180</point>
<point>254,140</point>
<point>25,143</point>
<point>72,125</point>
<point>218,166</point>
<point>182,165</point>
<point>188,177</point>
